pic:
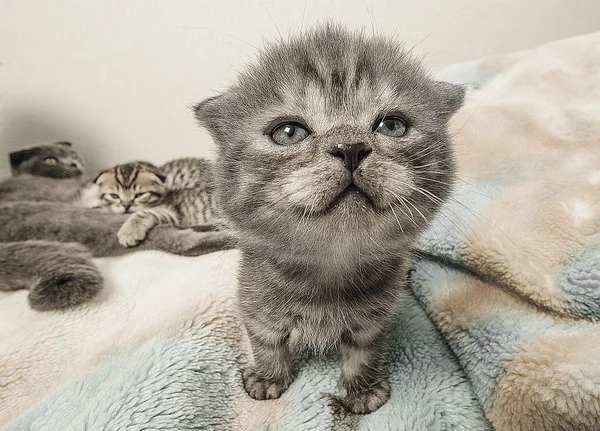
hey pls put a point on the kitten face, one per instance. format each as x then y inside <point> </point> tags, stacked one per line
<point>57,160</point>
<point>130,187</point>
<point>334,138</point>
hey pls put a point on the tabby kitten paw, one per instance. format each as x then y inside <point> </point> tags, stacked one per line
<point>131,234</point>
<point>364,400</point>
<point>262,388</point>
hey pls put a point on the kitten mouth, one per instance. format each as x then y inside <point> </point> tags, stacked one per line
<point>352,193</point>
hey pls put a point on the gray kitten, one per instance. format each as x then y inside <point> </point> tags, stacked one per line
<point>56,160</point>
<point>333,156</point>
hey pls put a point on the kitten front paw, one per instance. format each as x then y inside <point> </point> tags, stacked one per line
<point>261,388</point>
<point>366,400</point>
<point>131,234</point>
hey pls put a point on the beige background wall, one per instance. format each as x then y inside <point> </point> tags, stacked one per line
<point>117,77</point>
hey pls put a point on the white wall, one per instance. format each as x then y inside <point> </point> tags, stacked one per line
<point>117,77</point>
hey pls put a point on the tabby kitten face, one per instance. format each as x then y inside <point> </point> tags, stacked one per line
<point>331,140</point>
<point>130,187</point>
<point>57,160</point>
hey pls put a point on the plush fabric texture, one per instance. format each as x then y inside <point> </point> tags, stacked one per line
<point>502,331</point>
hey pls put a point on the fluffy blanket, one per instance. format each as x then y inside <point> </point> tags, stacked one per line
<point>502,331</point>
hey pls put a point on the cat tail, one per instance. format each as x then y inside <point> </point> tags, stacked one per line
<point>57,275</point>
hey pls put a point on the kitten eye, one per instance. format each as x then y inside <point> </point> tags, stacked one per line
<point>289,134</point>
<point>139,195</point>
<point>392,126</point>
<point>50,161</point>
<point>114,196</point>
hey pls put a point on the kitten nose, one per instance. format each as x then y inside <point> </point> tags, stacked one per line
<point>351,154</point>
<point>126,206</point>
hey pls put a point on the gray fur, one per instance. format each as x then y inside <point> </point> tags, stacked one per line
<point>34,188</point>
<point>320,267</point>
<point>97,230</point>
<point>57,275</point>
<point>56,160</point>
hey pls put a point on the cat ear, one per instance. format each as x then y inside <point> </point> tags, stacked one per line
<point>452,97</point>
<point>97,179</point>
<point>64,143</point>
<point>160,176</point>
<point>18,157</point>
<point>208,113</point>
<point>154,171</point>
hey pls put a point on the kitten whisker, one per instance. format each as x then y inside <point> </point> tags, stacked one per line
<point>271,17</point>
<point>396,217</point>
<point>480,191</point>
<point>218,31</point>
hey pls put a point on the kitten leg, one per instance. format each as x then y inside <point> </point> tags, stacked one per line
<point>272,371</point>
<point>136,227</point>
<point>362,386</point>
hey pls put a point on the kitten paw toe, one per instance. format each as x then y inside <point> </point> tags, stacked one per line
<point>365,401</point>
<point>261,388</point>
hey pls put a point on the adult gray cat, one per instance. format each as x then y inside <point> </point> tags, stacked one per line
<point>56,160</point>
<point>333,156</point>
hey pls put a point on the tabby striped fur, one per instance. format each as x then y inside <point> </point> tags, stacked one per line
<point>186,202</point>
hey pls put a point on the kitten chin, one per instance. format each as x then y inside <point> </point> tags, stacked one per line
<point>333,156</point>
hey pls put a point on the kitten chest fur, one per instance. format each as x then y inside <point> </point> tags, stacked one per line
<point>320,303</point>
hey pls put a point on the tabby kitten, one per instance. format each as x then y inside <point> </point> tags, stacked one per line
<point>333,156</point>
<point>177,194</point>
<point>56,160</point>
<point>128,188</point>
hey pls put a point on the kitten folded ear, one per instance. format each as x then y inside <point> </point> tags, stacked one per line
<point>160,176</point>
<point>18,157</point>
<point>97,179</point>
<point>208,113</point>
<point>154,170</point>
<point>452,97</point>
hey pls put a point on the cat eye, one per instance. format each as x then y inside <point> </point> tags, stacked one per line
<point>114,196</point>
<point>392,126</point>
<point>139,195</point>
<point>289,134</point>
<point>50,161</point>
